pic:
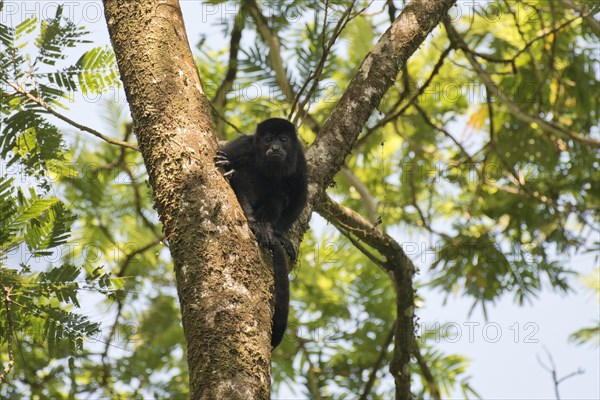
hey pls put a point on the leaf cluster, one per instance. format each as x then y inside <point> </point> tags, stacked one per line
<point>37,316</point>
<point>29,93</point>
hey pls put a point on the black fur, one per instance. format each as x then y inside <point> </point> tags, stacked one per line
<point>267,172</point>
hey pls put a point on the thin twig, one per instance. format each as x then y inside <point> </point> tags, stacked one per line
<point>342,22</point>
<point>392,10</point>
<point>515,110</point>
<point>69,121</point>
<point>220,99</point>
<point>585,14</point>
<point>395,113</point>
<point>108,343</point>
<point>9,333</point>
<point>434,389</point>
<point>272,40</point>
<point>134,253</point>
<point>221,117</point>
<point>553,372</point>
<point>377,365</point>
<point>312,379</point>
<point>362,248</point>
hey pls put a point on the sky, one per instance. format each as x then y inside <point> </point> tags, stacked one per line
<point>506,350</point>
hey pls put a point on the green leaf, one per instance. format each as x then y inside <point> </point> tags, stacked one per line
<point>589,335</point>
<point>31,207</point>
<point>25,28</point>
<point>97,70</point>
<point>55,37</point>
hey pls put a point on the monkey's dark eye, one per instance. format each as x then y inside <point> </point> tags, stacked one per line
<point>283,139</point>
<point>268,139</point>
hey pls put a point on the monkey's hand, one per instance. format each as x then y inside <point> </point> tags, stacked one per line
<point>263,232</point>
<point>287,245</point>
<point>222,161</point>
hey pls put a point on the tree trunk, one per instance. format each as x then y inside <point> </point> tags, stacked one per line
<point>222,282</point>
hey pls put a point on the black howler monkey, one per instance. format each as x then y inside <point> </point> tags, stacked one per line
<point>267,172</point>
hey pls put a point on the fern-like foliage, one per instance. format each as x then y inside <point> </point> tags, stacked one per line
<point>32,227</point>
<point>5,32</point>
<point>57,34</point>
<point>256,66</point>
<point>18,213</point>
<point>27,137</point>
<point>312,39</point>
<point>97,70</point>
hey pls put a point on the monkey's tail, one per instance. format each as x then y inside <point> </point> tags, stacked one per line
<point>282,294</point>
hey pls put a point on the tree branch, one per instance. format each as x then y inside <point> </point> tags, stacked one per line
<point>336,140</point>
<point>584,13</point>
<point>69,121</point>
<point>400,269</point>
<point>378,362</point>
<point>374,77</point>
<point>521,115</point>
<point>554,373</point>
<point>433,386</point>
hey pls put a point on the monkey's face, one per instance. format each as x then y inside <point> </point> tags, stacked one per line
<point>275,148</point>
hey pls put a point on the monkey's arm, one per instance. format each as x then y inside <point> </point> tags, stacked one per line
<point>263,230</point>
<point>297,195</point>
<point>235,155</point>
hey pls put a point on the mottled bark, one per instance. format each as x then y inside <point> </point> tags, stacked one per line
<point>222,283</point>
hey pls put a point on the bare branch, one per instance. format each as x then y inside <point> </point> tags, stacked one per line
<point>374,77</point>
<point>400,269</point>
<point>335,141</point>
<point>554,373</point>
